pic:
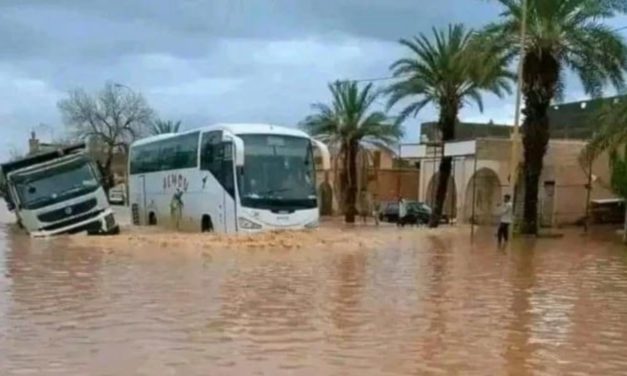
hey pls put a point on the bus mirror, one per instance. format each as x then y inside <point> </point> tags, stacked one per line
<point>324,154</point>
<point>238,148</point>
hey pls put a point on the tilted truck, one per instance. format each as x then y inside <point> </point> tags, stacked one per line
<point>58,192</point>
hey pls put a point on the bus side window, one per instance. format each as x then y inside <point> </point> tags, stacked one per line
<point>207,155</point>
<point>166,155</point>
<point>217,157</point>
<point>186,151</point>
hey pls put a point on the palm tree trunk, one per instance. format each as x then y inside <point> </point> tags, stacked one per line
<point>448,118</point>
<point>351,189</point>
<point>541,74</point>
<point>446,166</point>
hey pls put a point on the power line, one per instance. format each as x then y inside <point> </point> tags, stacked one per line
<point>383,78</point>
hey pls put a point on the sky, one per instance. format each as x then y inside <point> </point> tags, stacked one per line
<point>207,61</point>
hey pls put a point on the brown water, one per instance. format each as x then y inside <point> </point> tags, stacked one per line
<point>419,304</point>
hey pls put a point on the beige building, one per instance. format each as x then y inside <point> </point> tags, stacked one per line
<point>379,174</point>
<point>482,171</point>
<point>482,175</point>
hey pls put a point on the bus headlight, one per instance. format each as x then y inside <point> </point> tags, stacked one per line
<point>247,224</point>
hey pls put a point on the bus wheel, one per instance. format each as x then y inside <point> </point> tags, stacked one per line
<point>206,225</point>
<point>152,219</point>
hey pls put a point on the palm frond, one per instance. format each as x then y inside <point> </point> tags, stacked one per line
<point>572,32</point>
<point>164,126</point>
<point>350,116</point>
<point>450,68</point>
<point>611,134</point>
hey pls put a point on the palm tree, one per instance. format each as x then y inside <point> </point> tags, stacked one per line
<point>618,166</point>
<point>164,126</point>
<point>561,34</point>
<point>611,133</point>
<point>346,123</point>
<point>611,137</point>
<point>448,71</point>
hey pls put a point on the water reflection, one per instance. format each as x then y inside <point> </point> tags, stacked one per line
<point>519,350</point>
<point>422,304</point>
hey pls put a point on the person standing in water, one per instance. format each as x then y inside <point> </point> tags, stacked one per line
<point>364,205</point>
<point>402,212</point>
<point>506,217</point>
<point>376,208</point>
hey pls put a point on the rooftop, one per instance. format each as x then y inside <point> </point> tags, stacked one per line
<point>574,121</point>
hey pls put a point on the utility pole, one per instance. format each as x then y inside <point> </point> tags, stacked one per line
<point>515,136</point>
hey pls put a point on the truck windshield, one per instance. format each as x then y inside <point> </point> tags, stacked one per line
<point>278,173</point>
<point>55,184</point>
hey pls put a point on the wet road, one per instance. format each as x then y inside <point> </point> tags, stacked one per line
<point>421,305</point>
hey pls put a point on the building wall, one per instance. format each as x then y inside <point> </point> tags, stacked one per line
<point>562,191</point>
<point>383,184</point>
<point>381,178</point>
<point>570,179</point>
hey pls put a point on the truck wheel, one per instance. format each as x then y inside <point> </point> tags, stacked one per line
<point>114,231</point>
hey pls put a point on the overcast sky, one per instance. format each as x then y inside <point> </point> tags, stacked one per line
<point>204,61</point>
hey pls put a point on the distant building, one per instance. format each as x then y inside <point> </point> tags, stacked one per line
<point>577,120</point>
<point>119,163</point>
<point>430,132</point>
<point>568,121</point>
<point>482,172</point>
<point>378,172</point>
<point>35,146</point>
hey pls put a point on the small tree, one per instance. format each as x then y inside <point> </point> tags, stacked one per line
<point>112,118</point>
<point>345,123</point>
<point>164,126</point>
<point>619,181</point>
<point>610,136</point>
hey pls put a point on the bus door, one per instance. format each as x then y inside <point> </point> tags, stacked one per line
<point>228,182</point>
<point>217,161</point>
<point>138,208</point>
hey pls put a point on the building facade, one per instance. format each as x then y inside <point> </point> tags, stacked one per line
<point>482,174</point>
<point>381,178</point>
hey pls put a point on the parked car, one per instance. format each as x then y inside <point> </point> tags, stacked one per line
<point>607,211</point>
<point>117,195</point>
<point>417,213</point>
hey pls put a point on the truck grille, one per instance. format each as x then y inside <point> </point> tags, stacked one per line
<point>72,221</point>
<point>68,211</point>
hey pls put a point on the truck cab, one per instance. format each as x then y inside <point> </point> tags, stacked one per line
<point>57,193</point>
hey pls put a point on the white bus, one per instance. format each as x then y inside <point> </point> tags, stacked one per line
<point>226,178</point>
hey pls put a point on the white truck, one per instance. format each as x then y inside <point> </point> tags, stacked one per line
<point>58,192</point>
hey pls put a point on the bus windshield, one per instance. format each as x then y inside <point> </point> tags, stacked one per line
<point>279,173</point>
<point>55,184</point>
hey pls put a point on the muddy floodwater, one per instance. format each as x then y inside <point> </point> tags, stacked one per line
<point>373,302</point>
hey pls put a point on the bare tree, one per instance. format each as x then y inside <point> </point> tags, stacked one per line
<point>112,118</point>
